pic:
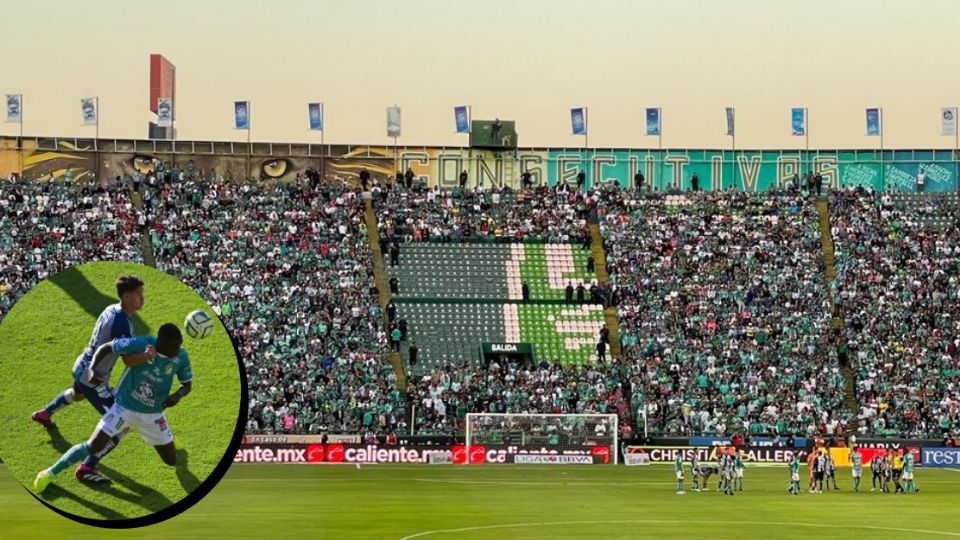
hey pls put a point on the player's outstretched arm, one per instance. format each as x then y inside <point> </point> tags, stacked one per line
<point>175,397</point>
<point>93,372</point>
<point>136,359</point>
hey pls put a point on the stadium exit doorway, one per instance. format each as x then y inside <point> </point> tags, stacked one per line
<point>522,352</point>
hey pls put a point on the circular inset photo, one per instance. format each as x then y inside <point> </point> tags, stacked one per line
<point>122,399</point>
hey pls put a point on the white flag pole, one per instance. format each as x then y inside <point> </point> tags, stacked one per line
<point>883,176</point>
<point>21,135</point>
<point>96,140</point>
<point>586,130</point>
<point>659,146</point>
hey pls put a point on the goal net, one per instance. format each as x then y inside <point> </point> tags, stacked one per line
<point>541,438</point>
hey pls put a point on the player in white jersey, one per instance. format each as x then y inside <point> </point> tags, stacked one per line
<point>678,471</point>
<point>115,321</point>
<point>726,473</point>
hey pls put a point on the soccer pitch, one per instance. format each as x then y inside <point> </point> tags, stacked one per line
<point>394,502</point>
<point>40,339</point>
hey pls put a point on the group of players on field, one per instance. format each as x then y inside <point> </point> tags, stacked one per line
<point>888,466</point>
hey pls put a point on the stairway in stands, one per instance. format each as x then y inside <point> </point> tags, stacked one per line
<point>146,246</point>
<point>600,263</point>
<point>373,236</point>
<point>837,324</point>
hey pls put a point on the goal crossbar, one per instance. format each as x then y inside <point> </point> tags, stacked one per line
<point>612,425</point>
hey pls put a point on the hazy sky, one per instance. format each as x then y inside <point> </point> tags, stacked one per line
<point>528,60</point>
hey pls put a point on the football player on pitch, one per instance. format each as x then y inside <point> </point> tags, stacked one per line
<point>142,395</point>
<point>114,322</point>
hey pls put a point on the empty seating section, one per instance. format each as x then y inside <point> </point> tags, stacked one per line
<point>451,333</point>
<point>442,271</point>
<point>489,271</point>
<point>548,268</point>
<point>564,334</point>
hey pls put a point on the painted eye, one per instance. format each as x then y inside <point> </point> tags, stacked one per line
<point>274,168</point>
<point>144,164</point>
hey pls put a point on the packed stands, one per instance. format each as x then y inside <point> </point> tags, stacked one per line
<point>723,318</point>
<point>50,225</point>
<point>289,269</point>
<point>898,266</point>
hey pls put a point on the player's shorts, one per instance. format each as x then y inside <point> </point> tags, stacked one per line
<point>100,396</point>
<point>908,476</point>
<point>679,475</point>
<point>152,427</point>
<point>818,475</point>
<point>897,473</point>
<point>738,473</point>
<point>794,477</point>
<point>856,473</point>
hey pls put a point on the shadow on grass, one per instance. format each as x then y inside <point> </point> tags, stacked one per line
<point>78,287</point>
<point>132,492</point>
<point>53,493</point>
<point>188,480</point>
<point>136,493</point>
<point>57,441</point>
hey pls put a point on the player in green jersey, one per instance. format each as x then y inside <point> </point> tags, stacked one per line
<point>794,474</point>
<point>908,483</point>
<point>857,461</point>
<point>142,394</point>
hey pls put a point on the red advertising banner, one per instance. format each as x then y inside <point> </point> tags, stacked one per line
<point>275,452</point>
<point>335,453</point>
<point>163,81</point>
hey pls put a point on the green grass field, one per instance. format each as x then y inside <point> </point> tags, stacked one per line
<point>393,502</point>
<point>40,339</point>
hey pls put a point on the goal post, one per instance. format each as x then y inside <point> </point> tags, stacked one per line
<point>542,438</point>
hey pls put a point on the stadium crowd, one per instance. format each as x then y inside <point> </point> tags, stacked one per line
<point>723,322</point>
<point>898,285</point>
<point>723,319</point>
<point>49,225</point>
<point>478,215</point>
<point>289,269</point>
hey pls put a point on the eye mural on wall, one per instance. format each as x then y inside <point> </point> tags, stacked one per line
<point>274,168</point>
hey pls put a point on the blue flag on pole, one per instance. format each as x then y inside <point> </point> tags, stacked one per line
<point>653,121</point>
<point>731,129</point>
<point>873,122</point>
<point>461,116</point>
<point>798,121</point>
<point>88,111</point>
<point>14,108</point>
<point>164,112</point>
<point>315,111</point>
<point>393,121</point>
<point>241,114</point>
<point>578,120</point>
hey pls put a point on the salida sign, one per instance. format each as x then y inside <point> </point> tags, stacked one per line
<point>506,348</point>
<point>477,454</point>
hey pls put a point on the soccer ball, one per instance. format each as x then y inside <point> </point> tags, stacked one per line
<point>198,324</point>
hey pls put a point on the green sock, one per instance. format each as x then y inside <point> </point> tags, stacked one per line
<point>70,457</point>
